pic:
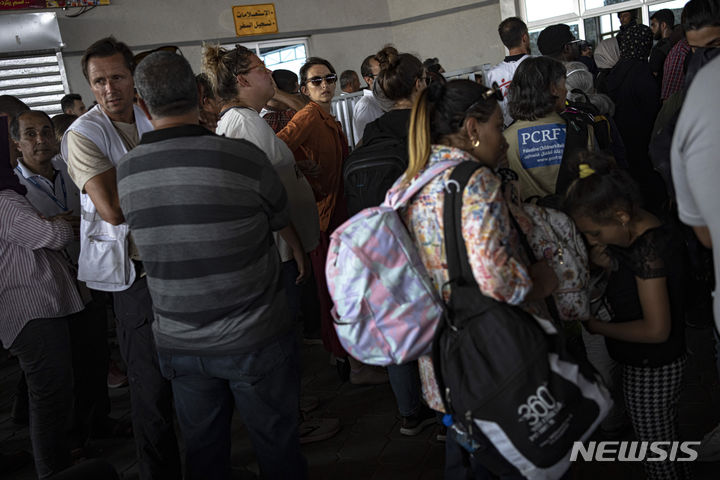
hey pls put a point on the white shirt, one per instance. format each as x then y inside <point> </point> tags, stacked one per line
<point>245,123</point>
<point>503,73</point>
<point>694,156</point>
<point>366,110</point>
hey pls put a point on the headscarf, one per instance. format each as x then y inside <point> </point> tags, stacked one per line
<point>607,53</point>
<point>8,179</point>
<point>579,78</point>
<point>635,42</point>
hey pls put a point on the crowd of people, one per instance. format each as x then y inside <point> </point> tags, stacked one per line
<point>198,208</point>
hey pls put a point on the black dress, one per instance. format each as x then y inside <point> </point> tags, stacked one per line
<point>659,252</point>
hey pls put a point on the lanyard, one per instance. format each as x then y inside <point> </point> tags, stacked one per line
<point>63,204</point>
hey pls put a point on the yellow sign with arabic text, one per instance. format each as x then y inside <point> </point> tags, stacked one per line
<point>255,19</point>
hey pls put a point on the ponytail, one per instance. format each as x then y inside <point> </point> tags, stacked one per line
<point>419,139</point>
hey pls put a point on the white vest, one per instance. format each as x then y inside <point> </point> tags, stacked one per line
<point>503,73</point>
<point>104,262</point>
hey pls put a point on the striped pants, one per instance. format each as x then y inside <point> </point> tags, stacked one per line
<point>651,398</point>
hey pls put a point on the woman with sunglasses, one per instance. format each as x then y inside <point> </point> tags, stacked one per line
<point>320,146</point>
<point>457,122</point>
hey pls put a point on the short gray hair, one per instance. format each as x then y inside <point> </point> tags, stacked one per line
<point>166,83</point>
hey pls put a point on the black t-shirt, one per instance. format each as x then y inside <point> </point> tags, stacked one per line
<point>656,253</point>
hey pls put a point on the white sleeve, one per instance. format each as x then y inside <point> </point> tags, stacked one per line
<point>694,151</point>
<point>359,119</point>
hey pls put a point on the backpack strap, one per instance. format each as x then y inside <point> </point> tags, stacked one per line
<point>398,198</point>
<point>458,264</point>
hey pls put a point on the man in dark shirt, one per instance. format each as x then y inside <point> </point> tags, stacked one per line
<point>661,23</point>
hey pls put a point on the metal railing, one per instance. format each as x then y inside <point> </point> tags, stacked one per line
<point>342,106</point>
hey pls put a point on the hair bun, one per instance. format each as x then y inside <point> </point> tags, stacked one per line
<point>387,57</point>
<point>436,91</point>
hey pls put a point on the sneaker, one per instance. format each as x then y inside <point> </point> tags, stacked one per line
<point>414,424</point>
<point>116,378</point>
<point>317,429</point>
<point>709,449</point>
<point>442,434</point>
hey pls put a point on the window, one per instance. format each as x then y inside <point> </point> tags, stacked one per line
<point>38,80</point>
<point>591,20</point>
<point>288,54</point>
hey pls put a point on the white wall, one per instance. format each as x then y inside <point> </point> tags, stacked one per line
<point>343,31</point>
<point>187,23</point>
<point>461,39</point>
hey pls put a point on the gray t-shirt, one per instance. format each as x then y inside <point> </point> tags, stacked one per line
<point>695,157</point>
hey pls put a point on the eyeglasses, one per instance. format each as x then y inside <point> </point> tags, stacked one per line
<point>250,69</point>
<point>493,92</point>
<point>317,81</point>
<point>169,48</point>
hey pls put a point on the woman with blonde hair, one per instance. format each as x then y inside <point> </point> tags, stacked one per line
<point>453,123</point>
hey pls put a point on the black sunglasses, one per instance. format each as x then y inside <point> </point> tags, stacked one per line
<point>317,81</point>
<point>493,92</point>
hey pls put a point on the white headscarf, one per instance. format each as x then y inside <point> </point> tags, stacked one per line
<point>607,53</point>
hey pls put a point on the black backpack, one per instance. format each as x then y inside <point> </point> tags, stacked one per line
<point>587,129</point>
<point>371,169</point>
<point>518,400</point>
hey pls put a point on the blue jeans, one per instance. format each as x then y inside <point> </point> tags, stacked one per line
<point>264,385</point>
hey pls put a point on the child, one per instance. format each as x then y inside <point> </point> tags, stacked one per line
<point>645,292</point>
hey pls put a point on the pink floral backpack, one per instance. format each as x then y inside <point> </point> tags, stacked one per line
<point>385,305</point>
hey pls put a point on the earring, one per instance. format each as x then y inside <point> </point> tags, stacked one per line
<point>476,143</point>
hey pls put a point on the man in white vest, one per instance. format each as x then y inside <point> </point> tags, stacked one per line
<point>109,261</point>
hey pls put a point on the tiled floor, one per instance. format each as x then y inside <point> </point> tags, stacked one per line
<point>369,445</point>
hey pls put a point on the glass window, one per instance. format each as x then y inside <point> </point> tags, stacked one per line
<point>590,4</point>
<point>676,6</point>
<point>280,54</point>
<point>541,10</point>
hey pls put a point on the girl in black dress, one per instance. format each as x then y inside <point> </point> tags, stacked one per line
<point>644,260</point>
